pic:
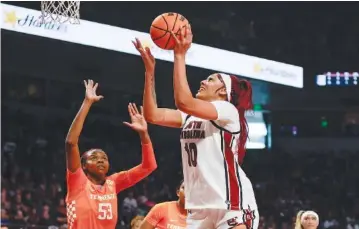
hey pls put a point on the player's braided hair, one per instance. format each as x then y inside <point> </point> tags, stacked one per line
<point>241,98</point>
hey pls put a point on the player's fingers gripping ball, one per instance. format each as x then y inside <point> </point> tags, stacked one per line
<point>163,25</point>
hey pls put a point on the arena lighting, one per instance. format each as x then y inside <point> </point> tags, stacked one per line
<point>23,20</point>
<point>255,145</point>
<point>257,129</point>
<point>333,79</point>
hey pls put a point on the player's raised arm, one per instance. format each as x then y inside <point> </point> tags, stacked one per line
<point>130,177</point>
<point>182,93</point>
<point>153,114</point>
<point>73,161</point>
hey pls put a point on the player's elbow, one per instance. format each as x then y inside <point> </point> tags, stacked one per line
<point>183,100</point>
<point>154,167</point>
<point>181,104</point>
<point>149,114</point>
<point>150,168</point>
<point>184,105</point>
<point>71,139</point>
<point>154,117</point>
<point>151,118</point>
<point>70,142</point>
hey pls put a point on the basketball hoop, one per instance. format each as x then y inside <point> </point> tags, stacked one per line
<point>60,11</point>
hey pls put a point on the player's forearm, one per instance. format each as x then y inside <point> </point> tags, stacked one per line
<point>182,92</point>
<point>145,138</point>
<point>149,98</point>
<point>77,124</point>
<point>148,157</point>
<point>153,114</point>
<point>147,166</point>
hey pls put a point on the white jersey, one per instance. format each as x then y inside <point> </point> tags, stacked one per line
<point>212,177</point>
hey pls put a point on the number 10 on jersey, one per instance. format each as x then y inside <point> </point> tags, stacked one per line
<point>191,149</point>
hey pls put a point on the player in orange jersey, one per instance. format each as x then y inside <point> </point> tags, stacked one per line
<point>167,215</point>
<point>91,195</point>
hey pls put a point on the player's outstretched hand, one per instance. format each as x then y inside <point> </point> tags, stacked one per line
<point>138,122</point>
<point>184,41</point>
<point>147,57</point>
<point>90,94</point>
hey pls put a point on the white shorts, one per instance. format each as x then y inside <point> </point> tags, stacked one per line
<point>222,219</point>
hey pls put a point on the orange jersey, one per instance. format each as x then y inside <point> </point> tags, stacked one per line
<point>166,216</point>
<point>91,206</point>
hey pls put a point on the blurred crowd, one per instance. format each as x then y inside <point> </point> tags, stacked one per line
<point>298,33</point>
<point>33,177</point>
<point>316,36</point>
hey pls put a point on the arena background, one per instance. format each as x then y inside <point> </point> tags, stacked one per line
<point>311,147</point>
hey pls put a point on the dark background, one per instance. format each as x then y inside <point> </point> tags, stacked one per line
<point>312,169</point>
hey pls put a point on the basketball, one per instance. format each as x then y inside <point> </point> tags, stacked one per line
<point>163,25</point>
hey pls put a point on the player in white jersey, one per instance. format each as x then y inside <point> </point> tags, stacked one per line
<point>213,137</point>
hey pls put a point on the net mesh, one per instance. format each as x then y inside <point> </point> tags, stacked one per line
<point>60,11</point>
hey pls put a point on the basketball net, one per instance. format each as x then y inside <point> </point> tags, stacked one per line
<point>60,12</point>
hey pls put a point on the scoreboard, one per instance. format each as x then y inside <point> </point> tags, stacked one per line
<point>338,79</point>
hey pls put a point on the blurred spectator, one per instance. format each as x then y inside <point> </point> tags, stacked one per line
<point>130,203</point>
<point>136,222</point>
<point>129,207</point>
<point>60,213</point>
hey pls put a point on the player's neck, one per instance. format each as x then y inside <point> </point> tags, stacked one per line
<point>97,180</point>
<point>181,208</point>
<point>212,99</point>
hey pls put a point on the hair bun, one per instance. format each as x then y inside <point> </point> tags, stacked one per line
<point>243,84</point>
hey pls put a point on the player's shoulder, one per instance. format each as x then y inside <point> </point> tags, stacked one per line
<point>115,176</point>
<point>164,205</point>
<point>171,203</point>
<point>75,179</point>
<point>110,181</point>
<point>183,114</point>
<point>226,110</point>
<point>221,104</point>
<point>112,177</point>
